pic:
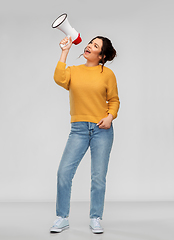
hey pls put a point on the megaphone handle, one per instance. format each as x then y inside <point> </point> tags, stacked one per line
<point>63,45</point>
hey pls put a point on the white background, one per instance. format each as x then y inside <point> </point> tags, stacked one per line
<point>34,111</point>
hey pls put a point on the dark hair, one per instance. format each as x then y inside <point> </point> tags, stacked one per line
<point>108,52</point>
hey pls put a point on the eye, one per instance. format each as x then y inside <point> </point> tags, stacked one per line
<point>96,46</point>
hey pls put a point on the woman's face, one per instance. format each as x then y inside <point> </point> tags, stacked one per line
<point>93,49</point>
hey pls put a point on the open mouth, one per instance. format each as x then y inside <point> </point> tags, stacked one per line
<point>87,51</point>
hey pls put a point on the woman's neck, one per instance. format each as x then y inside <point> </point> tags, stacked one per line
<point>91,64</point>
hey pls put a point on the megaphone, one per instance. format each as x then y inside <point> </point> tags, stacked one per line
<point>62,24</point>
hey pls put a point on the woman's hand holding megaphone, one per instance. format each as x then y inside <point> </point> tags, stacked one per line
<point>66,43</point>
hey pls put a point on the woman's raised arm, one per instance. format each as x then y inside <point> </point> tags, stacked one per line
<point>65,49</point>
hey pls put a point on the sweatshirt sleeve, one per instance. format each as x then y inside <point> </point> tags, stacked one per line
<point>112,96</point>
<point>62,75</point>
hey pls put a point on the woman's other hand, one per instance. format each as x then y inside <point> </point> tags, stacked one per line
<point>105,123</point>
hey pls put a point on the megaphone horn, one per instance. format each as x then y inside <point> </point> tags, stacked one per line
<point>62,24</point>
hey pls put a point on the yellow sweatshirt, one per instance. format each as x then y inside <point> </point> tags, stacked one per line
<point>93,94</point>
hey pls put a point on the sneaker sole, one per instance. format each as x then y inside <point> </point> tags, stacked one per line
<point>58,230</point>
<point>96,231</point>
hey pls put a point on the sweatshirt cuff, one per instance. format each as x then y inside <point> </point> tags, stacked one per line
<point>61,65</point>
<point>113,114</point>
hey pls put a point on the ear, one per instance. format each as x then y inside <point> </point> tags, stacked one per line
<point>100,56</point>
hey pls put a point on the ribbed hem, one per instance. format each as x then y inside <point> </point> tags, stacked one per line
<point>61,63</point>
<point>114,114</point>
<point>84,118</point>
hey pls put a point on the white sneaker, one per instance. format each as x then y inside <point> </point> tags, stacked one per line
<point>95,225</point>
<point>59,225</point>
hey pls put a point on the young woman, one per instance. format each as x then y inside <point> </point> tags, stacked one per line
<point>94,103</point>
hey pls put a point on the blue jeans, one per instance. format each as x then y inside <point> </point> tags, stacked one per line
<point>82,136</point>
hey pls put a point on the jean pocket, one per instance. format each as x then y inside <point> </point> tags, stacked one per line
<point>75,127</point>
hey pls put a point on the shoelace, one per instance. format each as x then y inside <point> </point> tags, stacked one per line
<point>58,221</point>
<point>96,222</point>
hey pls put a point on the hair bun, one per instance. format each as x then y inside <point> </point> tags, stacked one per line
<point>108,52</point>
<point>111,54</point>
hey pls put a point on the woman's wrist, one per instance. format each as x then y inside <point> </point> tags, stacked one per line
<point>110,116</point>
<point>64,55</point>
